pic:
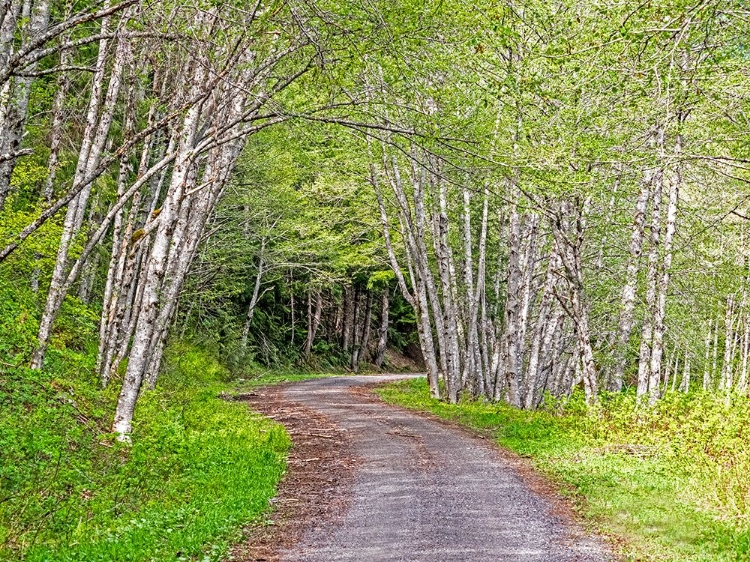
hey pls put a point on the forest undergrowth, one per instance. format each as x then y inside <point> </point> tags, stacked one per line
<point>670,482</point>
<point>199,468</point>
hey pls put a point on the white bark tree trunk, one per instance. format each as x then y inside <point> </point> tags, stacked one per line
<point>383,332</point>
<point>542,332</point>
<point>627,301</point>
<point>644,356</point>
<point>512,311</point>
<point>416,295</point>
<point>657,347</point>
<point>742,382</point>
<point>313,322</point>
<point>15,118</point>
<point>256,293</point>
<point>154,274</point>
<point>94,138</point>
<point>725,381</point>
<point>706,359</point>
<point>570,255</point>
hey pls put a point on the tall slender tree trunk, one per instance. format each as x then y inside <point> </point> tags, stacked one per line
<point>450,313</point>
<point>570,254</point>
<point>479,333</point>
<point>256,293</point>
<point>417,241</point>
<point>627,301</point>
<point>313,321</point>
<point>349,295</point>
<point>57,126</point>
<point>685,382</point>
<point>742,382</point>
<point>725,381</point>
<point>360,349</point>
<point>417,298</point>
<point>528,266</point>
<point>707,358</point>
<point>18,105</point>
<point>714,358</point>
<point>541,331</point>
<point>185,241</point>
<point>661,298</point>
<point>512,311</point>
<point>472,375</point>
<point>550,356</point>
<point>120,243</point>
<point>644,356</point>
<point>383,331</point>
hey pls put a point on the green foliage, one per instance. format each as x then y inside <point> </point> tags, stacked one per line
<point>278,377</point>
<point>381,279</point>
<point>198,470</point>
<point>302,207</point>
<point>37,251</point>
<point>17,324</point>
<point>673,481</point>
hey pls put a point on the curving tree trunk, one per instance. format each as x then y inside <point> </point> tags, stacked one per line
<point>94,139</point>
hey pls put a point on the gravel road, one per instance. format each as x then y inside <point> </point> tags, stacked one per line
<point>425,491</point>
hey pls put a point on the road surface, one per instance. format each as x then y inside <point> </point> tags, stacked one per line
<point>426,491</point>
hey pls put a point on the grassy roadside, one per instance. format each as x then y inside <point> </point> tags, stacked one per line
<point>277,377</point>
<point>671,484</point>
<point>199,469</point>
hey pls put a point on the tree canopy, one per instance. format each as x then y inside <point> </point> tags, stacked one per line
<point>538,196</point>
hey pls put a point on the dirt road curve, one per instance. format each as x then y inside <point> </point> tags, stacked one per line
<point>424,491</point>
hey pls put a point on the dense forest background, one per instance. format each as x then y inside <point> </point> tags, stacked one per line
<point>525,200</point>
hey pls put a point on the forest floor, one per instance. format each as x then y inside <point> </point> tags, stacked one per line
<point>372,482</point>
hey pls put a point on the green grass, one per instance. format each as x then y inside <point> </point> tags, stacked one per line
<point>199,469</point>
<point>670,483</point>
